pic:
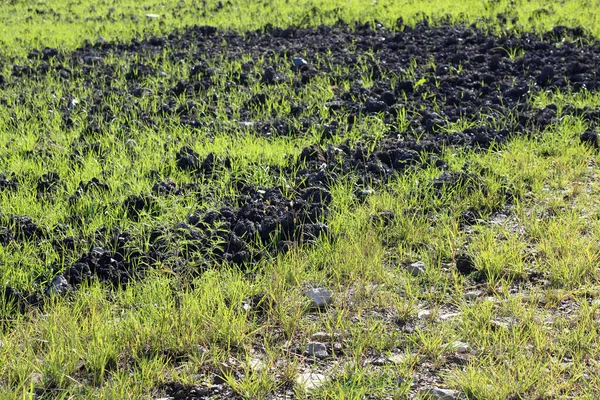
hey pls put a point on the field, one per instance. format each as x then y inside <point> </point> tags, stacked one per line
<point>318,199</point>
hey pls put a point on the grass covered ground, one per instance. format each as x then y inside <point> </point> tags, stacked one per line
<point>467,268</point>
<point>27,24</point>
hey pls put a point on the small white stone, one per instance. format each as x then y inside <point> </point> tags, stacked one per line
<point>256,364</point>
<point>460,347</point>
<point>310,380</point>
<point>322,337</point>
<point>441,394</point>
<point>424,314</point>
<point>397,358</point>
<point>473,294</point>
<point>319,298</point>
<point>447,316</point>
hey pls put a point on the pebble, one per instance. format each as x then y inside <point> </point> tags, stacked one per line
<point>503,323</point>
<point>256,364</point>
<point>322,337</point>
<point>460,347</point>
<point>367,192</point>
<point>59,285</point>
<point>425,314</point>
<point>447,316</point>
<point>378,362</point>
<point>316,350</point>
<point>441,394</point>
<point>299,62</point>
<point>416,268</point>
<point>337,348</point>
<point>73,103</point>
<point>397,358</point>
<point>310,380</point>
<point>91,60</point>
<point>319,298</point>
<point>473,294</point>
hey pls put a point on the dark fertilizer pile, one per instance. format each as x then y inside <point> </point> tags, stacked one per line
<point>442,75</point>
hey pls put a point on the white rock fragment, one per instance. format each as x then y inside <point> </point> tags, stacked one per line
<point>319,298</point>
<point>59,285</point>
<point>447,316</point>
<point>460,347</point>
<point>310,380</point>
<point>441,394</point>
<point>473,294</point>
<point>425,314</point>
<point>322,337</point>
<point>397,358</point>
<point>37,378</point>
<point>256,364</point>
<point>416,268</point>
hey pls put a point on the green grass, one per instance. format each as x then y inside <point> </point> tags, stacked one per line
<point>27,24</point>
<point>524,340</point>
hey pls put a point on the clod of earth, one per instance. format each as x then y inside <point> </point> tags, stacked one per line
<point>465,264</point>
<point>590,138</point>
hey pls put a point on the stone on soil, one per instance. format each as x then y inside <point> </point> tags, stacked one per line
<point>425,314</point>
<point>416,268</point>
<point>397,358</point>
<point>322,337</point>
<point>316,350</point>
<point>256,364</point>
<point>310,380</point>
<point>460,347</point>
<point>473,294</point>
<point>441,394</point>
<point>319,298</point>
<point>299,62</point>
<point>59,285</point>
